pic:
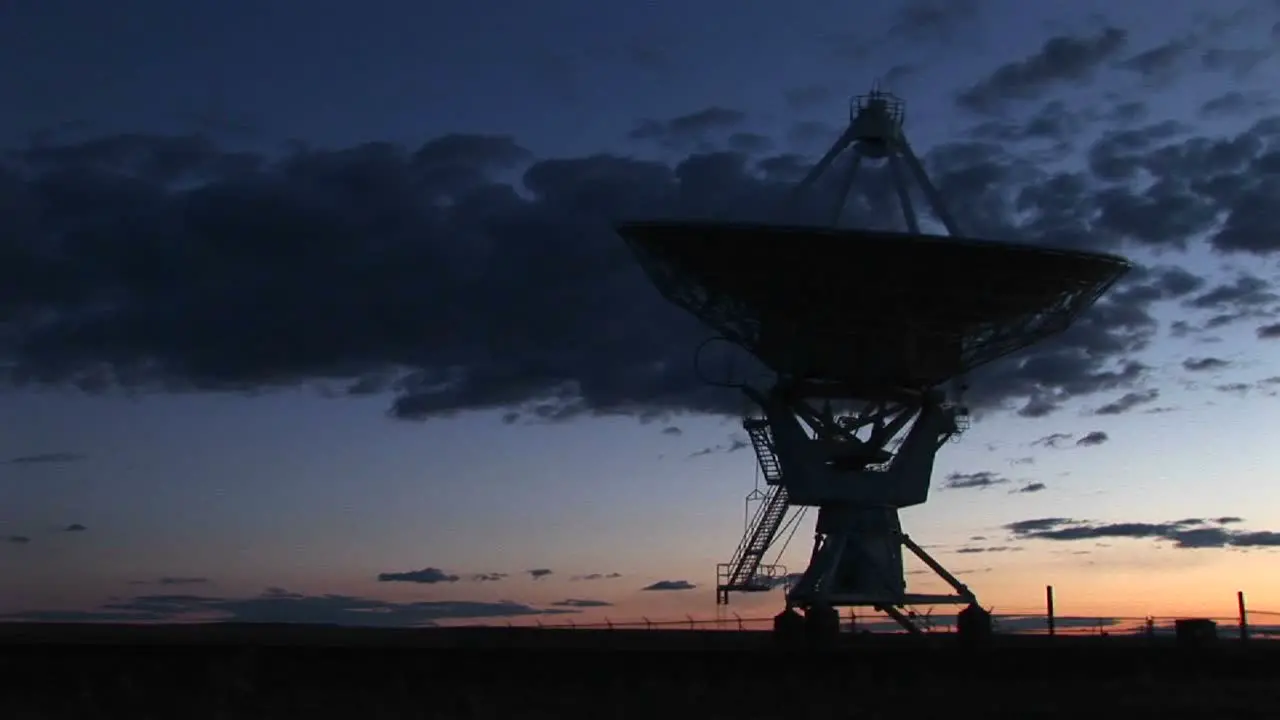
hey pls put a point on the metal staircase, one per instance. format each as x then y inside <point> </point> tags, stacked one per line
<point>762,441</point>
<point>746,572</point>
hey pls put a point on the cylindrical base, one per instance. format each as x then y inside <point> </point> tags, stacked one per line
<point>789,629</point>
<point>973,625</point>
<point>822,625</point>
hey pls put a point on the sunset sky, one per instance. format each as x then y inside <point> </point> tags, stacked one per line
<point>312,309</point>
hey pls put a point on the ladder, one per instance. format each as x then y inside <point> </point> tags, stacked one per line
<point>742,572</point>
<point>762,442</point>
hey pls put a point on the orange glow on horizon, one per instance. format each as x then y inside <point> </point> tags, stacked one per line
<point>1131,581</point>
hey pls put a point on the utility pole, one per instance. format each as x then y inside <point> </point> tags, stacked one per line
<point>1244,616</point>
<point>1048,599</point>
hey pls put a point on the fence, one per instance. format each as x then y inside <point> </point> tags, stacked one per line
<point>1002,622</point>
<point>1248,622</point>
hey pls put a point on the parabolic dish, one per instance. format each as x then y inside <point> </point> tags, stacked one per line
<point>868,308</point>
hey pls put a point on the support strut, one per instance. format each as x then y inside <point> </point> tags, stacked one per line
<point>875,132</point>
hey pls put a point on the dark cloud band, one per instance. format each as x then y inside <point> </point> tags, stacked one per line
<point>465,274</point>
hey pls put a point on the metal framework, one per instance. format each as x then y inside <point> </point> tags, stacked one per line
<point>877,337</point>
<point>875,133</point>
<point>842,464</point>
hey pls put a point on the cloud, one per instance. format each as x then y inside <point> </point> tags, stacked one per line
<point>1236,103</point>
<point>1056,122</point>
<point>1052,440</point>
<point>1195,50</point>
<point>933,20</point>
<point>1238,388</point>
<point>1093,439</point>
<point>579,603</point>
<point>1034,487</point>
<point>672,430</point>
<point>979,480</point>
<point>433,576</point>
<point>1128,401</point>
<point>1187,533</point>
<point>989,549</point>
<point>348,256</point>
<point>1164,61</point>
<point>425,576</point>
<point>670,585</point>
<point>74,527</point>
<point>1205,364</point>
<point>17,539</point>
<point>57,458</point>
<point>1244,295</point>
<point>276,605</point>
<point>1060,60</point>
<point>596,576</point>
<point>689,132</point>
<point>174,580</point>
<point>1238,62</point>
<point>539,573</point>
<point>734,444</point>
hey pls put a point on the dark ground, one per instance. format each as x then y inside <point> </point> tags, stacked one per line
<point>240,671</point>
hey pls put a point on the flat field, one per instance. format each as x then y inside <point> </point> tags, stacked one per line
<point>259,671</point>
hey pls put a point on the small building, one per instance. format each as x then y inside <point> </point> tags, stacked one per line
<point>1195,632</point>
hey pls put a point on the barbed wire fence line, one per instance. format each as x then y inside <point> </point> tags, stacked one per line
<point>1003,622</point>
<point>1248,622</point>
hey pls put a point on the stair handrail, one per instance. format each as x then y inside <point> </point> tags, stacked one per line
<point>774,500</point>
<point>751,529</point>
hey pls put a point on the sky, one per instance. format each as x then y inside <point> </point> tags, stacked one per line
<point>315,313</point>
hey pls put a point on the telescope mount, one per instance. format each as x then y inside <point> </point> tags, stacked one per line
<point>869,336</point>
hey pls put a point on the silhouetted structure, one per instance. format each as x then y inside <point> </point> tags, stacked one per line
<point>1195,632</point>
<point>864,331</point>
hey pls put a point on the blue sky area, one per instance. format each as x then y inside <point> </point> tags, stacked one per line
<point>287,291</point>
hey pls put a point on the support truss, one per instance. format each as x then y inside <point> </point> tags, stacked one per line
<point>875,133</point>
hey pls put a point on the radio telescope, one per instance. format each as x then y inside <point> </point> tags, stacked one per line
<point>884,326</point>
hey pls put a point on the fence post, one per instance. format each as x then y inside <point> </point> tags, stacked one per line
<point>691,625</point>
<point>608,623</point>
<point>1244,615</point>
<point>739,619</point>
<point>648,625</point>
<point>1049,615</point>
